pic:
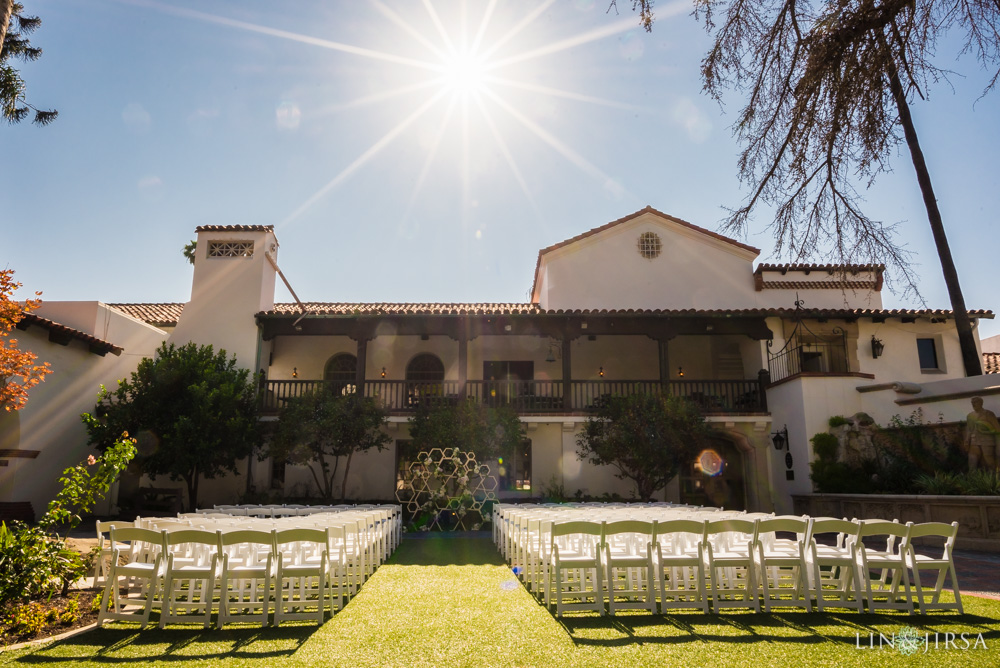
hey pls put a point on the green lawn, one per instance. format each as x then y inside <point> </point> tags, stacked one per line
<point>444,602</point>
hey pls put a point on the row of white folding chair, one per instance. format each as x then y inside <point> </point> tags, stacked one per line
<point>191,567</point>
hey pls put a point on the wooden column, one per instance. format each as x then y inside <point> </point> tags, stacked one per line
<point>661,344</point>
<point>567,375</point>
<point>359,375</point>
<point>463,361</point>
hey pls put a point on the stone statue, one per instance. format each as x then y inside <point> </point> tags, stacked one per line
<point>981,432</point>
<point>856,439</point>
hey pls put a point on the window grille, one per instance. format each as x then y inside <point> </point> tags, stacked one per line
<point>649,245</point>
<point>230,249</point>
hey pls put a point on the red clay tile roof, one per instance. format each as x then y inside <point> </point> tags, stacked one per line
<point>97,346</point>
<point>430,308</point>
<point>627,218</point>
<point>425,308</point>
<point>158,315</point>
<point>991,362</point>
<point>167,314</point>
<point>818,285</point>
<point>234,228</point>
<point>829,268</point>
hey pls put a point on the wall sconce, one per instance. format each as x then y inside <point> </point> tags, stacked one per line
<point>383,372</point>
<point>295,372</point>
<point>780,438</point>
<point>877,347</point>
<point>680,372</point>
<point>600,372</point>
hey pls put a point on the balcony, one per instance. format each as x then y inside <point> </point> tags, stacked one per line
<point>530,397</point>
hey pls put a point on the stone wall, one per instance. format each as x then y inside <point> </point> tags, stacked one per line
<point>978,517</point>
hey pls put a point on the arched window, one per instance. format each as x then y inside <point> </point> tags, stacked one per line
<point>340,371</point>
<point>425,366</point>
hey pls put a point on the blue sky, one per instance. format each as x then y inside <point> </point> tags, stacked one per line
<point>390,173</point>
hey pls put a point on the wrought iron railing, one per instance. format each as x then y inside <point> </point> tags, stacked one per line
<point>820,357</point>
<point>528,396</point>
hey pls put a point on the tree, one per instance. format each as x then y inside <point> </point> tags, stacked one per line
<point>829,86</point>
<point>647,437</point>
<point>321,427</point>
<point>193,410</point>
<point>14,43</point>
<point>490,432</point>
<point>18,371</point>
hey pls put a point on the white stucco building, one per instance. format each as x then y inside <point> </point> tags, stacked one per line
<point>642,303</point>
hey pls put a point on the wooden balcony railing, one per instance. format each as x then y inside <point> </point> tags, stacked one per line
<point>529,396</point>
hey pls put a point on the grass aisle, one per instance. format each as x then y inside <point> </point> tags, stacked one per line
<point>451,602</point>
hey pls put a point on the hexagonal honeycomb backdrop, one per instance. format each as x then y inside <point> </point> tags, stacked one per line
<point>445,490</point>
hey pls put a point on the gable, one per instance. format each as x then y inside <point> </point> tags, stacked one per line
<point>648,260</point>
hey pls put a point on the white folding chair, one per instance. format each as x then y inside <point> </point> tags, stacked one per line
<point>890,562</point>
<point>627,557</point>
<point>131,542</point>
<point>574,567</point>
<point>731,565</point>
<point>679,560</point>
<point>782,562</point>
<point>300,582</point>
<point>106,548</point>
<point>944,565</point>
<point>833,560</point>
<point>246,575</point>
<point>190,577</point>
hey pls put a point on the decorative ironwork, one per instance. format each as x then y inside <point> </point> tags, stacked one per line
<point>805,351</point>
<point>649,245</point>
<point>230,249</point>
<point>445,490</point>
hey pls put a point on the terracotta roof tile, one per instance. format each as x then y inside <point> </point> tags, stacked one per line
<point>158,315</point>
<point>818,285</point>
<point>627,218</point>
<point>829,268</point>
<point>58,331</point>
<point>234,228</point>
<point>991,362</point>
<point>452,308</point>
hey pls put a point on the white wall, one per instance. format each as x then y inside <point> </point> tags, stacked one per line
<point>50,422</point>
<point>226,293</point>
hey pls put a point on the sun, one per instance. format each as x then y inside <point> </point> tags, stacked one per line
<point>464,73</point>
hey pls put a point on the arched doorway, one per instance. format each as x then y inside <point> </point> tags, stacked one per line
<point>715,476</point>
<point>340,371</point>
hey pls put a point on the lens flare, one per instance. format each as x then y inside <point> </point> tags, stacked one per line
<point>710,463</point>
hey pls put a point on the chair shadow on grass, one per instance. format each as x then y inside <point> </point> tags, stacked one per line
<point>120,644</point>
<point>790,628</point>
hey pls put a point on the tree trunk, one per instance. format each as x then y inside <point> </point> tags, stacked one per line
<point>343,484</point>
<point>6,10</point>
<point>970,357</point>
<point>192,485</point>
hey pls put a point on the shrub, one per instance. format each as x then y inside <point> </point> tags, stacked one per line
<point>838,421</point>
<point>980,482</point>
<point>27,620</point>
<point>71,612</point>
<point>939,483</point>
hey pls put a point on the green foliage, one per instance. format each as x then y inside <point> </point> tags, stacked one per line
<point>831,476</point>
<point>85,484</point>
<point>27,620</point>
<point>980,482</point>
<point>71,612</point>
<point>32,564</point>
<point>939,483</point>
<point>194,411</point>
<point>468,426</point>
<point>321,427</point>
<point>837,421</point>
<point>646,437</point>
<point>15,43</point>
<point>189,250</point>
